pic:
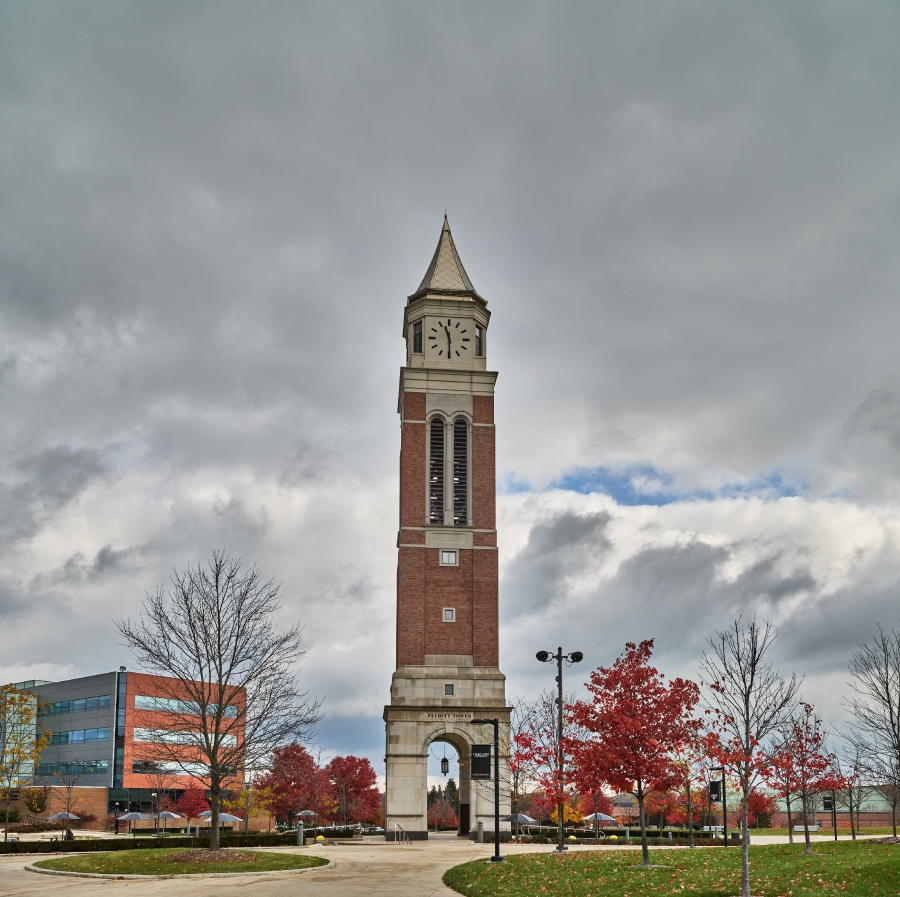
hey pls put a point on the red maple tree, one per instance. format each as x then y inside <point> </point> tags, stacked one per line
<point>295,782</point>
<point>192,803</point>
<point>352,788</point>
<point>661,805</point>
<point>633,724</point>
<point>442,815</point>
<point>760,809</point>
<point>800,763</point>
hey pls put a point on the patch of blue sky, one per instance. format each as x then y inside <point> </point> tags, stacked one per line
<point>644,484</point>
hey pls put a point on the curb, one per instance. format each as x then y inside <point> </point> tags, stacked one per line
<point>113,877</point>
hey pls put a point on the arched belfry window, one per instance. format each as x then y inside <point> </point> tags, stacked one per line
<point>460,472</point>
<point>436,471</point>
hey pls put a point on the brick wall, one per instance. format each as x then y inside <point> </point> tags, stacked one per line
<point>484,486</point>
<point>448,587</point>
<point>412,461</point>
<point>485,635</point>
<point>424,587</point>
<point>411,606</point>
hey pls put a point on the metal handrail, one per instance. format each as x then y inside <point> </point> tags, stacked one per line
<point>398,827</point>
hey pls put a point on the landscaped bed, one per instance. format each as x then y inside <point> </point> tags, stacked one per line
<point>178,861</point>
<point>852,868</point>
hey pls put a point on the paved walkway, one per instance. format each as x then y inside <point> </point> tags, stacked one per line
<point>370,870</point>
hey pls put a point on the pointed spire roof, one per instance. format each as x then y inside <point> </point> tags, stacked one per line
<point>446,271</point>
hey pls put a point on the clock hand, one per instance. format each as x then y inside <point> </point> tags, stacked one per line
<point>447,331</point>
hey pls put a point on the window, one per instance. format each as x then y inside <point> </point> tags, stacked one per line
<point>172,705</point>
<point>155,767</point>
<point>448,558</point>
<point>448,690</point>
<point>79,735</point>
<point>460,472</point>
<point>165,736</point>
<point>82,767</point>
<point>449,614</point>
<point>57,707</point>
<point>479,341</point>
<point>436,473</point>
<point>417,336</point>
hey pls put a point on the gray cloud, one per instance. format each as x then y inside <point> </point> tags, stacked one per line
<point>537,578</point>
<point>684,217</point>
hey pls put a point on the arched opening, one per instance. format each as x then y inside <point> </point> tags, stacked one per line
<point>451,788</point>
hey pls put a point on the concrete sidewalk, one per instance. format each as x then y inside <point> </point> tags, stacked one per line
<point>364,870</point>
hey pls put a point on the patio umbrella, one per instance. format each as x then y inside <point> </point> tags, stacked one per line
<point>132,817</point>
<point>522,819</point>
<point>305,813</point>
<point>600,817</point>
<point>164,815</point>
<point>223,817</point>
<point>57,816</point>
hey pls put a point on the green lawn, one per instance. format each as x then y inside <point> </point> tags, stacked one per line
<point>151,862</point>
<point>776,871</point>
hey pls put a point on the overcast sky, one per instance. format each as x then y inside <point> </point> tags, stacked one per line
<point>685,219</point>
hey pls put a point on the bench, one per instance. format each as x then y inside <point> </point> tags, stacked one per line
<point>813,827</point>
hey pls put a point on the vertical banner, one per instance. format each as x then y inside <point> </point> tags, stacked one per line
<point>481,762</point>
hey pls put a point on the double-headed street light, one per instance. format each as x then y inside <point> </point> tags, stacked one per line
<point>559,657</point>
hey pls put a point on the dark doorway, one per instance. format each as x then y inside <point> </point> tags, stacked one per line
<point>464,819</point>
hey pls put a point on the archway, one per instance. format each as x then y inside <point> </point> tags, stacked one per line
<point>460,756</point>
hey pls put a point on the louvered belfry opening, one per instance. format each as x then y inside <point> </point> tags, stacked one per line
<point>436,473</point>
<point>460,472</point>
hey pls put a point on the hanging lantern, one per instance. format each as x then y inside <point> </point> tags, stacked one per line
<point>445,766</point>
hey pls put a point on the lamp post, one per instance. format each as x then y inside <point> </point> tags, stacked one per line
<point>724,807</point>
<point>559,657</point>
<point>117,817</point>
<point>830,803</point>
<point>496,858</point>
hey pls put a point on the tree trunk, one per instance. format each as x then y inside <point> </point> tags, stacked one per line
<point>745,841</point>
<point>214,818</point>
<point>645,853</point>
<point>690,819</point>
<point>787,797</point>
<point>6,826</point>
<point>805,798</point>
<point>852,820</point>
<point>894,816</point>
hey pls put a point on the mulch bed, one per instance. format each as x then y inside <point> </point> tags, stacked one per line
<point>889,840</point>
<point>211,856</point>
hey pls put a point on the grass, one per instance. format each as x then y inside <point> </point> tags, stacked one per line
<point>854,869</point>
<point>151,862</point>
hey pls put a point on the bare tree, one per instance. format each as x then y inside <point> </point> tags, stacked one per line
<point>231,692</point>
<point>851,767</point>
<point>875,705</point>
<point>751,700</point>
<point>69,775</point>
<point>520,769</point>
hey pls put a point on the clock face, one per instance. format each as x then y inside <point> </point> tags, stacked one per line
<point>451,339</point>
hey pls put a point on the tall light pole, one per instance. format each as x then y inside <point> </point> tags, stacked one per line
<point>724,807</point>
<point>496,858</point>
<point>559,657</point>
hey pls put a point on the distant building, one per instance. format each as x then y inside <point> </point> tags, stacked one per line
<point>104,728</point>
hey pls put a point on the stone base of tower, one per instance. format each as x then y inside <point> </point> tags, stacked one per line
<point>419,715</point>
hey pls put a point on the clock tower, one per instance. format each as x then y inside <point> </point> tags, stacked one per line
<point>447,612</point>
